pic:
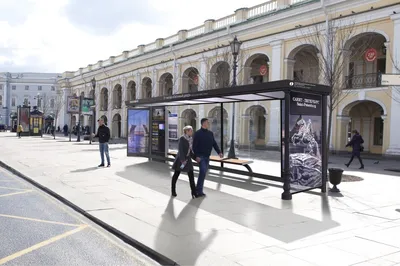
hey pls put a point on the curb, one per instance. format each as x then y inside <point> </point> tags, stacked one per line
<point>151,253</point>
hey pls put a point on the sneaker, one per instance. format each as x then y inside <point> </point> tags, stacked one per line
<point>101,165</point>
<point>109,165</point>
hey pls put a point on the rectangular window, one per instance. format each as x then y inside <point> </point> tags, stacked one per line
<point>26,101</point>
<point>14,87</point>
<point>52,103</point>
<point>53,88</point>
<point>13,100</point>
<point>378,131</point>
<point>27,88</point>
<point>1,86</point>
<point>39,88</point>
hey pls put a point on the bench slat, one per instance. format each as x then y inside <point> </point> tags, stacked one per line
<point>217,159</point>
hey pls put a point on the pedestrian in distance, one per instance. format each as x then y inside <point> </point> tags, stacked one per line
<point>357,147</point>
<point>183,161</point>
<point>103,134</point>
<point>203,143</point>
<point>20,129</point>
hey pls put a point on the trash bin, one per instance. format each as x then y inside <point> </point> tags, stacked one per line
<point>335,177</point>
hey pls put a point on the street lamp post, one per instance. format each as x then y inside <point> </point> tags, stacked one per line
<point>93,81</point>
<point>235,48</point>
<point>78,139</point>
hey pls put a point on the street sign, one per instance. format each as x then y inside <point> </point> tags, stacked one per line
<point>263,70</point>
<point>370,55</point>
<point>390,80</point>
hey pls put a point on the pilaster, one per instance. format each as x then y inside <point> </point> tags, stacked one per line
<point>274,110</point>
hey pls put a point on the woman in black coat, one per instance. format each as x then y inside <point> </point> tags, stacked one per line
<point>183,161</point>
<point>356,143</point>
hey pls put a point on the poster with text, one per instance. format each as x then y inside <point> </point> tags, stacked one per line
<point>138,134</point>
<point>305,138</point>
<point>73,105</point>
<point>87,104</point>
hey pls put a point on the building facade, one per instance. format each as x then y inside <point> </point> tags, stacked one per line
<point>281,39</point>
<point>31,89</point>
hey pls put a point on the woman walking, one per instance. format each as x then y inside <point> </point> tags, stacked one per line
<point>356,143</point>
<point>183,161</point>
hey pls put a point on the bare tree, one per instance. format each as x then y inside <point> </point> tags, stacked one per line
<point>58,106</point>
<point>333,53</point>
<point>44,103</point>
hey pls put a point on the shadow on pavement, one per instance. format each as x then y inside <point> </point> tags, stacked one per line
<point>281,224</point>
<point>186,221</point>
<point>84,170</point>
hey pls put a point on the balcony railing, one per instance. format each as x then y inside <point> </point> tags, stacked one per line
<point>370,80</point>
<point>239,16</point>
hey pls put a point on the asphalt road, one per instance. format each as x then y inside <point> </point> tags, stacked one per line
<point>36,229</point>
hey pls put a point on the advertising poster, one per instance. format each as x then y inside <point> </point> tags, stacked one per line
<point>158,131</point>
<point>86,106</point>
<point>24,114</point>
<point>138,135</point>
<point>283,135</point>
<point>305,138</point>
<point>173,126</point>
<point>73,105</point>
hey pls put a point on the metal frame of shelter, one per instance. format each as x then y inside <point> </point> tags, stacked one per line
<point>277,90</point>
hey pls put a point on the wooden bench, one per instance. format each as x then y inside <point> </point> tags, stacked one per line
<point>214,158</point>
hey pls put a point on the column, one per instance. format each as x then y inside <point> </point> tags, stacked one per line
<point>289,68</point>
<point>110,104</point>
<point>64,116</point>
<point>341,131</point>
<point>394,140</point>
<point>202,84</point>
<point>274,110</point>
<point>177,77</point>
<point>155,90</point>
<point>366,132</point>
<point>123,108</point>
<point>138,86</point>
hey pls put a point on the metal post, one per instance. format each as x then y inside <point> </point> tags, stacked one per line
<point>70,126</point>
<point>324,145</point>
<point>286,195</point>
<point>222,131</point>
<point>232,154</point>
<point>78,139</point>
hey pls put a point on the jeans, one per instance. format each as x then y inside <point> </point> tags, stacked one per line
<point>104,149</point>
<point>191,181</point>
<point>203,165</point>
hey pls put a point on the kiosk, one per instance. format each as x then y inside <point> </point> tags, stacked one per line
<point>36,122</point>
<point>303,125</point>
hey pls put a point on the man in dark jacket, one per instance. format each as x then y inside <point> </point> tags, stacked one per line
<point>203,143</point>
<point>356,143</point>
<point>103,133</point>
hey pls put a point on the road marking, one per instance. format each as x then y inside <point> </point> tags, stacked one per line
<point>37,220</point>
<point>12,188</point>
<point>16,193</point>
<point>41,244</point>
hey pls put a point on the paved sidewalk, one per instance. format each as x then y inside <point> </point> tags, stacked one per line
<point>241,222</point>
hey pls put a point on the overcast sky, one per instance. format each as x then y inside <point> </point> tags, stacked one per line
<point>63,35</point>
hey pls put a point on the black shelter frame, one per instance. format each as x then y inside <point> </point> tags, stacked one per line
<point>276,90</point>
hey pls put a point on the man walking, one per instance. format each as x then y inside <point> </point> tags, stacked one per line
<point>356,143</point>
<point>103,133</point>
<point>203,143</point>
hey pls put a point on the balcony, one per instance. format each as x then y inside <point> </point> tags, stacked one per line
<point>364,81</point>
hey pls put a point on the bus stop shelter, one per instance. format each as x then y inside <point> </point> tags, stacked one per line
<point>303,113</point>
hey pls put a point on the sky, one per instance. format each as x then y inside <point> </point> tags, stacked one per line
<point>64,35</point>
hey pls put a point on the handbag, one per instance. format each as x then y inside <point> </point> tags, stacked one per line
<point>361,148</point>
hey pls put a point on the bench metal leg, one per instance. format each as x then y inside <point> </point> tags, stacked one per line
<point>248,168</point>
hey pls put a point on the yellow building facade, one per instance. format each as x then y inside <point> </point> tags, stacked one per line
<point>281,39</point>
